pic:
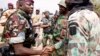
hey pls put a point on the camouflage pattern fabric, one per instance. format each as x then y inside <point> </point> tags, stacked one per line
<point>57,34</point>
<point>16,27</point>
<point>86,40</point>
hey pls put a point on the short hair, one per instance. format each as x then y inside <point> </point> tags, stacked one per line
<point>37,10</point>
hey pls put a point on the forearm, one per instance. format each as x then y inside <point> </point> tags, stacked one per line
<point>27,51</point>
<point>43,26</point>
<point>56,34</point>
<point>61,43</point>
<point>36,24</point>
<point>58,45</point>
<point>2,44</point>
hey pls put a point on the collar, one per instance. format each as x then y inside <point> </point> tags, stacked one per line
<point>24,14</point>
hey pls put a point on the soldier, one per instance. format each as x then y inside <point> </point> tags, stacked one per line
<point>61,18</point>
<point>84,25</point>
<point>7,13</point>
<point>47,29</point>
<point>18,29</point>
<point>60,27</point>
<point>46,25</point>
<point>83,29</point>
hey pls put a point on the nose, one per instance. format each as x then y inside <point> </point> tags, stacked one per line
<point>31,7</point>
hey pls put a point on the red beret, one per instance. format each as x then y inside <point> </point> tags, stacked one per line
<point>29,1</point>
<point>10,4</point>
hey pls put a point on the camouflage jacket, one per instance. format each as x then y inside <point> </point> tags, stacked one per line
<point>16,26</point>
<point>85,40</point>
<point>58,26</point>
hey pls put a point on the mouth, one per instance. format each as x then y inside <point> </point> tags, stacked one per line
<point>31,11</point>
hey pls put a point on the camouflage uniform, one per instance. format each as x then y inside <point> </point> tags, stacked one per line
<point>85,41</point>
<point>16,27</point>
<point>58,26</point>
<point>3,18</point>
<point>57,34</point>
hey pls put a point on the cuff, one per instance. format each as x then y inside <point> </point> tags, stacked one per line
<point>19,39</point>
<point>58,45</point>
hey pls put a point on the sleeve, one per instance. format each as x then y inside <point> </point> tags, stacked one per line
<point>56,34</point>
<point>73,24</point>
<point>5,13</point>
<point>60,44</point>
<point>3,17</point>
<point>18,39</point>
<point>16,28</point>
<point>80,27</point>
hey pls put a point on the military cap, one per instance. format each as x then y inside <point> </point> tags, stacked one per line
<point>10,4</point>
<point>62,3</point>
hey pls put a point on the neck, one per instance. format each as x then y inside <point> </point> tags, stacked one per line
<point>47,16</point>
<point>24,11</point>
<point>64,13</point>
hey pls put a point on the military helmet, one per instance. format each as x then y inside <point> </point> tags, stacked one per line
<point>77,1</point>
<point>62,3</point>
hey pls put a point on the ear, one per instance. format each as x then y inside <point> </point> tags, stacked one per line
<point>20,3</point>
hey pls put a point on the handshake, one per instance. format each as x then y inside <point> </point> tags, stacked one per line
<point>47,50</point>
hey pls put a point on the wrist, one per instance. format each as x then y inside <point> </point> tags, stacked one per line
<point>53,48</point>
<point>40,52</point>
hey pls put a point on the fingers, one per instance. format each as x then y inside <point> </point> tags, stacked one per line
<point>47,50</point>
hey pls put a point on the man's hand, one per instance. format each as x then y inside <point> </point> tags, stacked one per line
<point>48,50</point>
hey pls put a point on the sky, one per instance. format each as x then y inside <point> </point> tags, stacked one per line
<point>43,5</point>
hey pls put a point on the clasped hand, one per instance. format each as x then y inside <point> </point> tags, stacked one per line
<point>48,50</point>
